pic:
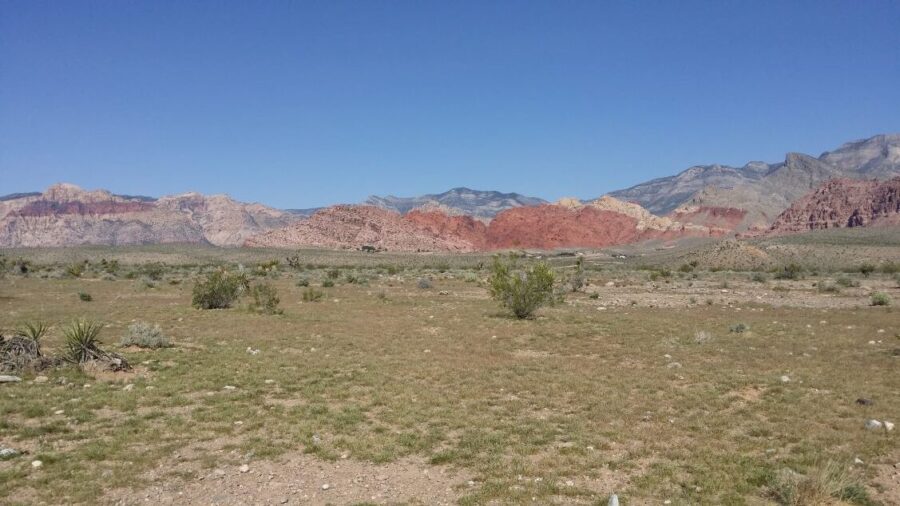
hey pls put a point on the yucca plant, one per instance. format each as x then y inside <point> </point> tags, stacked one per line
<point>33,330</point>
<point>81,340</point>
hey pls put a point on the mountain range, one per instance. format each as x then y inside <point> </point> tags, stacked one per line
<point>707,200</point>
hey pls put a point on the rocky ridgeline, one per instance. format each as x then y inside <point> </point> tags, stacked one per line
<point>841,203</point>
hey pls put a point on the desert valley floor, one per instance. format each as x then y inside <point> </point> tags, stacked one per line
<point>707,373</point>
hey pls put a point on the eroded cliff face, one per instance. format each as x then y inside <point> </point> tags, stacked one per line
<point>66,215</point>
<point>843,203</point>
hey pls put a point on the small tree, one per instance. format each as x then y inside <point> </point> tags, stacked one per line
<point>522,291</point>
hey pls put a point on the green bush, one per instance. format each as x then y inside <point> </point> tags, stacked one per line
<point>758,277</point>
<point>144,335</point>
<point>312,295</point>
<point>847,282</point>
<point>302,282</point>
<point>85,297</point>
<point>866,269</point>
<point>265,299</point>
<point>881,299</point>
<point>219,290</point>
<point>790,271</point>
<point>327,283</point>
<point>522,291</point>
<point>738,328</point>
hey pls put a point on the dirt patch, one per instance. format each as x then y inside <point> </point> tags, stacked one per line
<point>887,481</point>
<point>305,479</point>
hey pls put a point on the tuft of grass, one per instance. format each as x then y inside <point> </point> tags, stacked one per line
<point>327,283</point>
<point>738,328</point>
<point>265,299</point>
<point>312,295</point>
<point>822,485</point>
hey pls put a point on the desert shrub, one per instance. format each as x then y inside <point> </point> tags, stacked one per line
<point>576,280</point>
<point>789,271</point>
<point>738,328</point>
<point>144,335</point>
<point>219,290</point>
<point>85,297</point>
<point>392,270</point>
<point>866,269</point>
<point>827,287</point>
<point>265,299</point>
<point>312,295</point>
<point>327,283</point>
<point>302,282</point>
<point>333,273</point>
<point>594,295</point>
<point>82,346</point>
<point>154,271</point>
<point>382,296</point>
<point>351,278</point>
<point>758,277</point>
<point>424,283</point>
<point>881,299</point>
<point>522,291</point>
<point>109,266</point>
<point>22,351</point>
<point>686,268</point>
<point>820,486</point>
<point>890,267</point>
<point>76,269</point>
<point>847,282</point>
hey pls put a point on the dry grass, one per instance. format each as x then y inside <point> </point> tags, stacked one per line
<point>567,408</point>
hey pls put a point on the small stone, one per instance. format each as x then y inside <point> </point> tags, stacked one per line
<point>471,483</point>
<point>269,381</point>
<point>9,379</point>
<point>785,378</point>
<point>244,468</point>
<point>129,387</point>
<point>219,473</point>
<point>613,500</point>
<point>570,483</point>
<point>857,461</point>
<point>326,486</point>
<point>864,402</point>
<point>230,387</point>
<point>888,426</point>
<point>674,365</point>
<point>41,379</point>
<point>36,464</point>
<point>873,424</point>
<point>59,411</point>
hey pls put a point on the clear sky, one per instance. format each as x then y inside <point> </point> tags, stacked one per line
<point>301,104</point>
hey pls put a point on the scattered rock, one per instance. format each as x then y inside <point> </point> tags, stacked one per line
<point>9,379</point>
<point>251,351</point>
<point>230,387</point>
<point>244,468</point>
<point>785,378</point>
<point>873,424</point>
<point>269,381</point>
<point>864,402</point>
<point>858,461</point>
<point>41,379</point>
<point>613,500</point>
<point>129,387</point>
<point>888,426</point>
<point>326,486</point>
<point>674,365</point>
<point>36,464</point>
<point>8,453</point>
<point>59,412</point>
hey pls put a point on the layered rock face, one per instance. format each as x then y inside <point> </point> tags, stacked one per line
<point>68,215</point>
<point>482,205</point>
<point>568,224</point>
<point>843,203</point>
<point>352,227</point>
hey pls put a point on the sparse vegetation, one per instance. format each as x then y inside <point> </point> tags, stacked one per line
<point>85,297</point>
<point>522,291</point>
<point>823,485</point>
<point>790,271</point>
<point>738,328</point>
<point>144,335</point>
<point>312,295</point>
<point>424,283</point>
<point>866,269</point>
<point>83,346</point>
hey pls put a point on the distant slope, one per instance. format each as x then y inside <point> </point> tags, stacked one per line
<point>764,190</point>
<point>479,204</point>
<point>67,215</point>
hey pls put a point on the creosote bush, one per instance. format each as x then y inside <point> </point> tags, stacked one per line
<point>85,297</point>
<point>265,299</point>
<point>144,335</point>
<point>219,290</point>
<point>424,283</point>
<point>312,295</point>
<point>522,291</point>
<point>790,271</point>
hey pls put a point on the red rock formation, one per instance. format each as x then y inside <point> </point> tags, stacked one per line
<point>552,226</point>
<point>843,203</point>
<point>440,224</point>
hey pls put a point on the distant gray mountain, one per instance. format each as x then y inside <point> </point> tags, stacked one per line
<point>479,204</point>
<point>765,190</point>
<point>304,213</point>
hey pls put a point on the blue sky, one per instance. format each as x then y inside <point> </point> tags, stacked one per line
<point>301,104</point>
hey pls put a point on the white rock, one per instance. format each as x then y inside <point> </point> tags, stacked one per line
<point>873,424</point>
<point>244,468</point>
<point>230,387</point>
<point>785,378</point>
<point>36,463</point>
<point>857,461</point>
<point>6,453</point>
<point>888,426</point>
<point>613,500</point>
<point>9,379</point>
<point>269,381</point>
<point>326,486</point>
<point>41,379</point>
<point>129,387</point>
<point>59,412</point>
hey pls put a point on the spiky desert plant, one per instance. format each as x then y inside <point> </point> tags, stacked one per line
<point>33,330</point>
<point>81,340</point>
